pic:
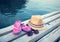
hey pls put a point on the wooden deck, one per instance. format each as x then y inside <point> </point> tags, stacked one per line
<point>50,34</point>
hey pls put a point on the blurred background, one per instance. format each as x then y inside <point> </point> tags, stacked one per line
<point>12,10</point>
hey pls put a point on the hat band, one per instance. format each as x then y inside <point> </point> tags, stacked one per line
<point>35,26</point>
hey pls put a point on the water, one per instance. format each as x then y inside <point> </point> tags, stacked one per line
<point>32,7</point>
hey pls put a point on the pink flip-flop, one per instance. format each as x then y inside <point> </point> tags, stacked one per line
<point>27,29</point>
<point>17,27</point>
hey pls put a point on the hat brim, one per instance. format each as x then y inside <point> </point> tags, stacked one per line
<point>42,28</point>
<point>36,27</point>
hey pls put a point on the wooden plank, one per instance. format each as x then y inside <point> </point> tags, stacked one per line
<point>10,36</point>
<point>52,18</point>
<point>9,29</point>
<point>15,35</point>
<point>57,40</point>
<point>51,37</point>
<point>48,31</point>
<point>25,38</point>
<point>51,14</point>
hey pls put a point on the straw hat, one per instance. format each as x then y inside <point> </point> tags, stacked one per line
<point>36,22</point>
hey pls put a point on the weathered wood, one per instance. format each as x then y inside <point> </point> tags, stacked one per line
<point>25,38</point>
<point>51,37</point>
<point>9,28</point>
<point>50,21</point>
<point>51,24</point>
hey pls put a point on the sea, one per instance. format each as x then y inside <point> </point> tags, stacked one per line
<point>30,7</point>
